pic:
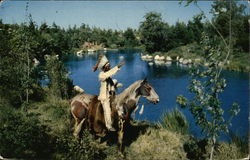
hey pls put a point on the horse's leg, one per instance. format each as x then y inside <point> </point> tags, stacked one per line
<point>120,137</point>
<point>78,128</point>
<point>75,133</point>
<point>79,112</point>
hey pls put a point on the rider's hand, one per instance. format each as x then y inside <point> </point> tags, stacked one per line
<point>120,64</point>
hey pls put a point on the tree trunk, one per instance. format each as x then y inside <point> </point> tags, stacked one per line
<point>212,148</point>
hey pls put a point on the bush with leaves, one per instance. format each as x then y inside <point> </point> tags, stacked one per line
<point>68,147</point>
<point>23,136</point>
<point>60,85</point>
<point>18,78</point>
<point>206,86</point>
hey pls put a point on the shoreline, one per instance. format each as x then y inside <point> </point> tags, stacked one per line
<point>182,55</point>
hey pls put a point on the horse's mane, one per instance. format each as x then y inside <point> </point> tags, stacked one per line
<point>128,91</point>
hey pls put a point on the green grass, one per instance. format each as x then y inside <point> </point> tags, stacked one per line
<point>157,144</point>
<point>174,120</point>
<point>239,62</point>
<point>53,112</point>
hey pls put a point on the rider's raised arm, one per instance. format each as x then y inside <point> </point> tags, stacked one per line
<point>104,75</point>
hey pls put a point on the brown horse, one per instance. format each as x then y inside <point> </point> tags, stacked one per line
<point>87,108</point>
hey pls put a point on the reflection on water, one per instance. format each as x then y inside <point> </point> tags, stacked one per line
<point>169,81</point>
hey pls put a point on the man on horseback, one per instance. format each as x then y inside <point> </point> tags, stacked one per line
<point>107,88</point>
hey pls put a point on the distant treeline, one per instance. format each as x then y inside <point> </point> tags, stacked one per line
<point>153,34</point>
<point>45,39</point>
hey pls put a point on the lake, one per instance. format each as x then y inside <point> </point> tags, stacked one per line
<point>168,81</point>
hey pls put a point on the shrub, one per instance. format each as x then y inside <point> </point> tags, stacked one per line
<point>198,149</point>
<point>174,121</point>
<point>60,85</point>
<point>195,148</point>
<point>23,136</point>
<point>227,151</point>
<point>68,147</point>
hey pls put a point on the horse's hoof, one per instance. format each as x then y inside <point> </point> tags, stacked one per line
<point>112,129</point>
<point>120,154</point>
<point>100,134</point>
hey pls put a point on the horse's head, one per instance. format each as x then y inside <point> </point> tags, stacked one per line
<point>147,91</point>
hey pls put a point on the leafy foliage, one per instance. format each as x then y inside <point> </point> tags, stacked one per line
<point>23,136</point>
<point>195,148</point>
<point>69,147</point>
<point>60,85</point>
<point>206,85</point>
<point>153,33</point>
<point>18,75</point>
<point>130,40</point>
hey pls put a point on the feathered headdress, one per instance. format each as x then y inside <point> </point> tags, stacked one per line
<point>102,60</point>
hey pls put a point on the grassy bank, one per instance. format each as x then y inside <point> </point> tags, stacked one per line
<point>236,62</point>
<point>42,130</point>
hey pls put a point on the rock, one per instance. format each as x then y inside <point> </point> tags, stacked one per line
<point>177,58</point>
<point>150,63</point>
<point>150,57</point>
<point>144,57</point>
<point>161,58</point>
<point>79,52</point>
<point>168,58</point>
<point>156,57</point>
<point>185,61</point>
<point>181,60</point>
<point>147,57</point>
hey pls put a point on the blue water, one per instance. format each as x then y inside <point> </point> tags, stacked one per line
<point>168,81</point>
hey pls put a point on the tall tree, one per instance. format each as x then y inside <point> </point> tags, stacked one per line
<point>16,72</point>
<point>230,16</point>
<point>153,32</point>
<point>129,38</point>
<point>59,84</point>
<point>195,28</point>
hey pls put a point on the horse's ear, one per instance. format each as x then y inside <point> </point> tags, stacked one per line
<point>145,80</point>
